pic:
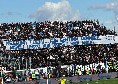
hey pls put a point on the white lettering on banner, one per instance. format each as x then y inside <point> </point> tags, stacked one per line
<point>90,66</point>
<point>82,68</point>
<point>87,67</point>
<point>46,42</point>
<point>110,37</point>
<point>25,46</point>
<point>41,45</point>
<point>56,42</point>
<point>36,47</point>
<point>10,43</point>
<point>36,42</point>
<point>93,66</point>
<point>31,42</point>
<point>28,42</point>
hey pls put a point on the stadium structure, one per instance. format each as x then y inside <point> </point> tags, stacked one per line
<point>47,50</point>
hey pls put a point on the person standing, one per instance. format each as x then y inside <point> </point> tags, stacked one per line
<point>62,80</point>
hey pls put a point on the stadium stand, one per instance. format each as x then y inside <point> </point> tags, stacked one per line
<point>56,56</point>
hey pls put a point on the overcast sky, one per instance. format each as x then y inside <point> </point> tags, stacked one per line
<point>106,11</point>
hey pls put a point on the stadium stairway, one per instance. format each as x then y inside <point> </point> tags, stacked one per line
<point>1,46</point>
<point>2,49</point>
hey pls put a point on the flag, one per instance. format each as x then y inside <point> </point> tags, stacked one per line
<point>40,33</point>
<point>106,65</point>
<point>72,27</point>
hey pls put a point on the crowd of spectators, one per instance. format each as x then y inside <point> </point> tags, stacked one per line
<point>56,56</point>
<point>79,55</point>
<point>48,29</point>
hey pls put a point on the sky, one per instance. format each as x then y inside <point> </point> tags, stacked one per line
<point>106,11</point>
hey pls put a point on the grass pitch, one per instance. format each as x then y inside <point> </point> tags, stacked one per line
<point>103,81</point>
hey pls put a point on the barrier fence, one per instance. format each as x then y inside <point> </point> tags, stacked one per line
<point>73,79</point>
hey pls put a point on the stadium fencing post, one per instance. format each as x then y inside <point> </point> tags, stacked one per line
<point>30,62</point>
<point>26,63</point>
<point>26,70</point>
<point>19,63</point>
<point>47,72</point>
<point>2,76</point>
<point>47,75</point>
